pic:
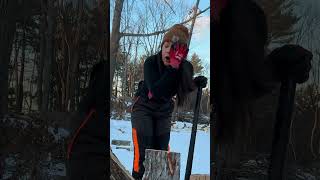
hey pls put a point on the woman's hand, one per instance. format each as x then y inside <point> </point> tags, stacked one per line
<point>200,81</point>
<point>291,62</point>
<point>177,54</point>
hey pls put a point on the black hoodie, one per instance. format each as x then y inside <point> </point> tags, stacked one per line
<point>161,80</point>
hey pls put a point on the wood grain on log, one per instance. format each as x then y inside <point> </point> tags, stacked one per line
<point>157,165</point>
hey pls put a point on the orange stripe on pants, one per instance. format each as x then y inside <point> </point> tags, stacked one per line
<point>136,150</point>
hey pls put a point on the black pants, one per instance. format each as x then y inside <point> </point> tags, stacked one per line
<point>151,125</point>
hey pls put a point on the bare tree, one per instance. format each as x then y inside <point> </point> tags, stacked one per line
<point>115,38</point>
<point>19,95</point>
<point>42,29</point>
<point>7,29</point>
<point>47,67</point>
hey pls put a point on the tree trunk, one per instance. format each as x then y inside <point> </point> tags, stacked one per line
<point>7,30</point>
<point>74,64</point>
<point>195,9</point>
<point>73,78</point>
<point>116,89</point>
<point>31,85</point>
<point>158,165</point>
<point>47,68</point>
<point>19,102</point>
<point>14,61</point>
<point>115,38</point>
<point>42,54</point>
<point>16,70</point>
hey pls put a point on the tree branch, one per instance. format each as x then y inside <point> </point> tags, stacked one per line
<point>170,7</point>
<point>162,31</point>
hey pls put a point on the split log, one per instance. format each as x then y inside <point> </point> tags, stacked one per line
<point>199,177</point>
<point>117,170</point>
<point>161,165</point>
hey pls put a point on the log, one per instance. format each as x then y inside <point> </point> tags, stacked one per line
<point>123,147</point>
<point>199,177</point>
<point>157,165</point>
<point>117,170</point>
<point>120,142</point>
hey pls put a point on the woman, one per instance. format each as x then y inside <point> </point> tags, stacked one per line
<point>165,74</point>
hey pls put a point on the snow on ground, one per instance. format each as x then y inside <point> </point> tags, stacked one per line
<point>14,122</point>
<point>179,142</point>
<point>58,133</point>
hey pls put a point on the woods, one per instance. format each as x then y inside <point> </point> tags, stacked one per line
<point>48,50</point>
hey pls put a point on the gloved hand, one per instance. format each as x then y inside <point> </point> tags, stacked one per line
<point>150,94</point>
<point>178,52</point>
<point>291,62</point>
<point>200,81</point>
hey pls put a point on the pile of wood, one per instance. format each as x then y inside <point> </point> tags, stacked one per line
<point>117,170</point>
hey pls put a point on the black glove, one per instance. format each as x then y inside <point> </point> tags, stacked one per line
<point>291,62</point>
<point>200,81</point>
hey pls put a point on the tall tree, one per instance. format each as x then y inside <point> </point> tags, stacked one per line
<point>115,38</point>
<point>41,60</point>
<point>47,67</point>
<point>7,30</point>
<point>19,94</point>
<point>196,63</point>
<point>281,20</point>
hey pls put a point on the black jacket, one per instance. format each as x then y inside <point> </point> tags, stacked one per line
<point>161,80</point>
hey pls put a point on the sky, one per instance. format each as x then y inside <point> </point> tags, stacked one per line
<point>200,42</point>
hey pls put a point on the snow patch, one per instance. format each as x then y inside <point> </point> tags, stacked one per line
<point>58,133</point>
<point>15,122</point>
<point>128,103</point>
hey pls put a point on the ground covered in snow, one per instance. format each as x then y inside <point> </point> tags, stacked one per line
<point>251,168</point>
<point>33,149</point>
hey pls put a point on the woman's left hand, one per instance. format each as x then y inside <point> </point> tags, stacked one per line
<point>200,81</point>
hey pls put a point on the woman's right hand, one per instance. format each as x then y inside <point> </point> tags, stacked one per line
<point>177,54</point>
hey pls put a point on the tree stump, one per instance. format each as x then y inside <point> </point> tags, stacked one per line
<point>199,177</point>
<point>117,170</point>
<point>161,165</point>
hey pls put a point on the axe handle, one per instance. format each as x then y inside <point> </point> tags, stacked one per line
<point>193,135</point>
<point>282,131</point>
